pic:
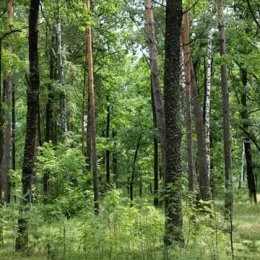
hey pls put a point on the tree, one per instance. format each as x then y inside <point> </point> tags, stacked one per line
<point>91,115</point>
<point>172,106</point>
<point>31,126</point>
<point>8,141</point>
<point>192,178</point>
<point>156,90</point>
<point>226,116</point>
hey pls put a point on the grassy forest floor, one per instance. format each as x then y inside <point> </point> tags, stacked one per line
<point>123,232</point>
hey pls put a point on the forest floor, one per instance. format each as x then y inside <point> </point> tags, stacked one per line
<point>135,233</point>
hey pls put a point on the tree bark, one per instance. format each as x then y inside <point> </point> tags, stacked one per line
<point>31,127</point>
<point>91,115</point>
<point>203,167</point>
<point>226,117</point>
<point>192,179</point>
<point>247,145</point>
<point>208,93</point>
<point>172,105</point>
<point>157,96</point>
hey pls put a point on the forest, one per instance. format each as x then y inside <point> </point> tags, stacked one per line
<point>129,129</point>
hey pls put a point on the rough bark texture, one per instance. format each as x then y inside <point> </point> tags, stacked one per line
<point>31,126</point>
<point>172,105</point>
<point>91,116</point>
<point>157,96</point>
<point>226,117</point>
<point>199,126</point>
<point>192,179</point>
<point>247,144</point>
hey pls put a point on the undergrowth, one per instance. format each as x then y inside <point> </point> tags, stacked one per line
<point>124,232</point>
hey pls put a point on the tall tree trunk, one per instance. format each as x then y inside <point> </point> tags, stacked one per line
<point>91,115</point>
<point>49,109</point>
<point>247,144</point>
<point>157,96</point>
<point>107,150</point>
<point>156,155</point>
<point>172,105</point>
<point>192,179</point>
<point>226,117</point>
<point>31,127</point>
<point>114,160</point>
<point>1,126</point>
<point>208,92</point>
<point>63,112</point>
<point>203,167</point>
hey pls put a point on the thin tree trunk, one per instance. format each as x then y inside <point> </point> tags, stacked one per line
<point>49,110</point>
<point>172,105</point>
<point>114,160</point>
<point>1,126</point>
<point>156,155</point>
<point>192,179</point>
<point>158,101</point>
<point>208,92</point>
<point>63,112</point>
<point>91,115</point>
<point>203,167</point>
<point>242,173</point>
<point>226,117</point>
<point>31,127</point>
<point>108,151</point>
<point>247,145</point>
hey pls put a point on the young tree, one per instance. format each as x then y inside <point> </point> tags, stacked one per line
<point>31,126</point>
<point>226,116</point>
<point>172,105</point>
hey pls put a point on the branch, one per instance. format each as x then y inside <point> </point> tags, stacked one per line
<point>251,137</point>
<point>190,7</point>
<point>11,32</point>
<point>252,13</point>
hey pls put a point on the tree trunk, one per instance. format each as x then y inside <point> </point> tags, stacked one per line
<point>8,143</point>
<point>203,167</point>
<point>91,115</point>
<point>226,117</point>
<point>157,96</point>
<point>31,127</point>
<point>63,112</point>
<point>107,150</point>
<point>208,93</point>
<point>156,155</point>
<point>172,105</point>
<point>49,109</point>
<point>1,126</point>
<point>247,145</point>
<point>192,179</point>
<point>114,160</point>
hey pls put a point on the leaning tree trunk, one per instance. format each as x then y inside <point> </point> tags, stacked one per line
<point>157,96</point>
<point>91,115</point>
<point>192,179</point>
<point>247,144</point>
<point>31,127</point>
<point>226,117</point>
<point>172,105</point>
